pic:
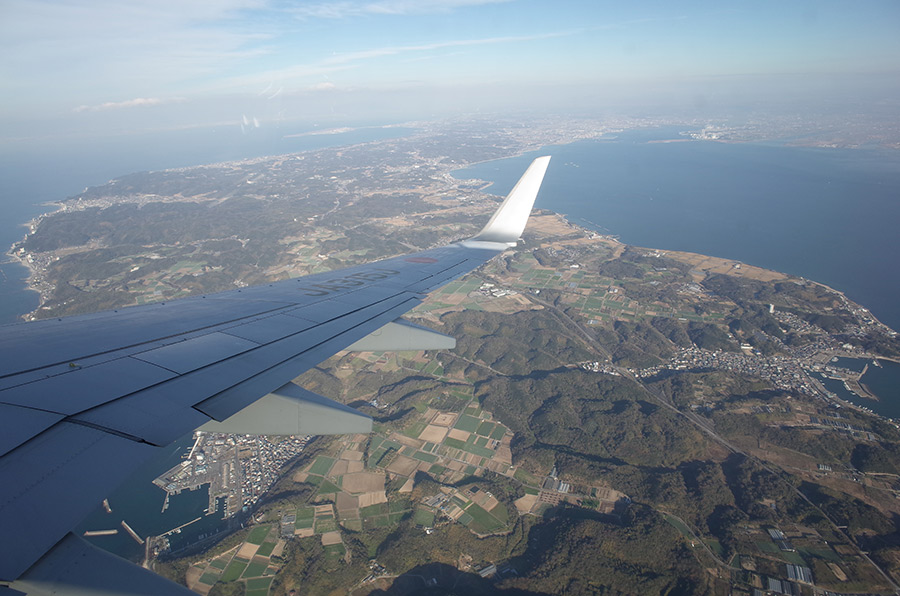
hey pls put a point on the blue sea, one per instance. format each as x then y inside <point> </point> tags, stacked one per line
<point>139,503</point>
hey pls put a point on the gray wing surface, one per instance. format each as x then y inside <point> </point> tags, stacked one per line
<point>84,400</point>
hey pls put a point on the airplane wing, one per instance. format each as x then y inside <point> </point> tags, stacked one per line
<point>84,400</point>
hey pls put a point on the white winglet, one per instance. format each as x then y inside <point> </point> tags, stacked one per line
<point>508,223</point>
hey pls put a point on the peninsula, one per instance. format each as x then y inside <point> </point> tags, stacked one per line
<point>664,409</point>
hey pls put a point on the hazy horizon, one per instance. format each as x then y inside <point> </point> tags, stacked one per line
<point>79,73</point>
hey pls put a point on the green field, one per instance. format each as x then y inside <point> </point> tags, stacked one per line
<point>219,563</point>
<point>325,525</point>
<point>423,517</point>
<point>322,465</point>
<point>335,551</point>
<point>327,488</point>
<point>525,477</point>
<point>455,443</point>
<point>255,569</point>
<point>209,578</point>
<point>768,547</point>
<point>478,450</point>
<point>485,428</point>
<point>354,525</point>
<point>427,457</point>
<point>258,534</point>
<point>261,583</point>
<point>371,510</point>
<point>821,553</point>
<point>414,430</point>
<point>715,546</point>
<point>468,423</point>
<point>794,558</point>
<point>233,571</point>
<point>499,511</point>
<point>482,520</point>
<point>266,549</point>
<point>679,525</point>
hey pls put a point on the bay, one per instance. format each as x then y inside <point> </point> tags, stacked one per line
<point>139,503</point>
<point>883,381</point>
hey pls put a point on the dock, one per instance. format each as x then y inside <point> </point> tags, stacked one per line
<point>90,533</point>
<point>132,533</point>
<point>173,530</point>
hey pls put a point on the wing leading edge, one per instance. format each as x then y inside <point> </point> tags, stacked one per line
<point>86,399</point>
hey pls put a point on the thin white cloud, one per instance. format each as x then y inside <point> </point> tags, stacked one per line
<point>394,50</point>
<point>131,103</point>
<point>353,60</point>
<point>348,8</point>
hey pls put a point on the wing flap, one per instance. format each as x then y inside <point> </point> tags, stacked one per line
<point>162,413</point>
<point>403,335</point>
<point>292,410</point>
<point>337,338</point>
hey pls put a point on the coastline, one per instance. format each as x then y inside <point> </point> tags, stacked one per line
<point>37,271</point>
<point>37,275</point>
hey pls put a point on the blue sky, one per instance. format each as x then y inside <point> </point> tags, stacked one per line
<point>112,65</point>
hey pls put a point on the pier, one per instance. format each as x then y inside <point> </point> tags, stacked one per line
<point>174,530</point>
<point>90,533</point>
<point>132,533</point>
